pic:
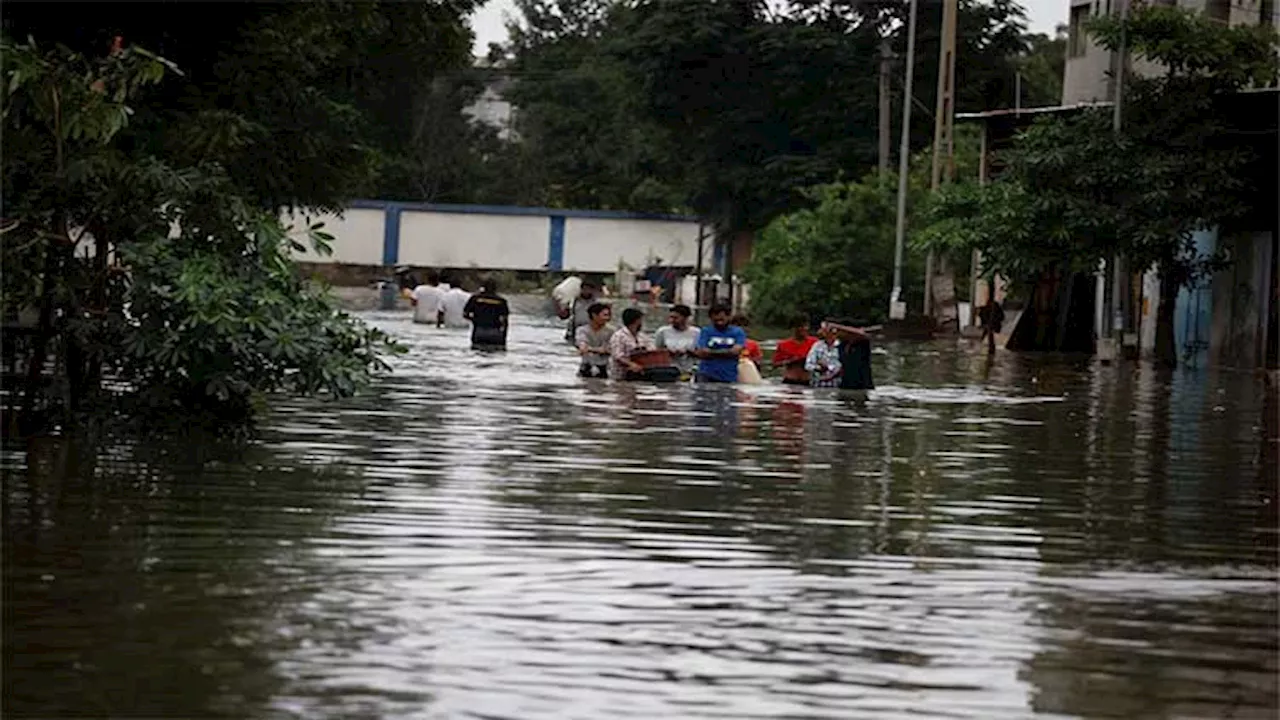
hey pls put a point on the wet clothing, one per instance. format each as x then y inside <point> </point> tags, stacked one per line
<point>596,362</point>
<point>722,369</point>
<point>621,346</point>
<point>823,365</point>
<point>495,338</point>
<point>593,371</point>
<point>791,353</point>
<point>669,338</point>
<point>855,361</point>
<point>578,315</point>
<point>488,313</point>
<point>428,303</point>
<point>455,301</point>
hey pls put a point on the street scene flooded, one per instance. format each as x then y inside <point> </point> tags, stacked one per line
<point>485,535</point>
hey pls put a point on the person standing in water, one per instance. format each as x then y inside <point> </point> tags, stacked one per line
<point>627,341</point>
<point>455,302</point>
<point>719,347</point>
<point>792,352</point>
<point>576,312</point>
<point>854,350</point>
<point>593,342</point>
<point>488,313</point>
<point>680,339</point>
<point>428,301</point>
<point>823,362</point>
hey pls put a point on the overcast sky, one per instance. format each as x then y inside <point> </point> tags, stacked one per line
<point>1042,16</point>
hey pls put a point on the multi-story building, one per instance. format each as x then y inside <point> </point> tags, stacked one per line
<point>1090,70</point>
<point>1229,319</point>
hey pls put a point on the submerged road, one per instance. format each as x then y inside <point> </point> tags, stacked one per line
<point>487,536</point>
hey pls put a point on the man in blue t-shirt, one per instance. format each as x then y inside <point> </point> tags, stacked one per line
<point>719,346</point>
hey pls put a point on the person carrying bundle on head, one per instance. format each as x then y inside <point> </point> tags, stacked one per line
<point>575,311</point>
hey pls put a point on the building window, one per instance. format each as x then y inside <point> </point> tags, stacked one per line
<point>1077,35</point>
<point>1219,10</point>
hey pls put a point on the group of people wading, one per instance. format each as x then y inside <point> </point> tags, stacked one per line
<point>836,356</point>
<point>438,303</point>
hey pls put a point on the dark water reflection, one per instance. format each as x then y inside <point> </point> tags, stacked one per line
<point>488,537</point>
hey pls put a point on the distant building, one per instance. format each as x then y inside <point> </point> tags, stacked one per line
<point>492,107</point>
<point>1089,75</point>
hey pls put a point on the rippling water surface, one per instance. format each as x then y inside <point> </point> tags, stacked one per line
<point>486,536</point>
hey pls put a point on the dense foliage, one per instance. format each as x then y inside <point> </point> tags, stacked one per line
<point>303,104</point>
<point>731,109</point>
<point>835,258</point>
<point>167,277</point>
<point>1074,191</point>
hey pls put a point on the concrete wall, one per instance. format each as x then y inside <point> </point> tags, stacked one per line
<point>593,244</point>
<point>357,232</point>
<point>384,234</point>
<point>496,242</point>
<point>1086,76</point>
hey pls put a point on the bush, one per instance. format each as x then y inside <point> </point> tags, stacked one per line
<point>834,259</point>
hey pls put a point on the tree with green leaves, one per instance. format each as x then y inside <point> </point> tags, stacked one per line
<point>185,292</point>
<point>303,104</point>
<point>582,140</point>
<point>1075,191</point>
<point>762,103</point>
<point>835,257</point>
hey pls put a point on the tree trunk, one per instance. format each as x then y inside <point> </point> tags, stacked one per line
<point>1166,348</point>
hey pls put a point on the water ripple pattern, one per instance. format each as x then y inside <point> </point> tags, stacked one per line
<point>487,536</point>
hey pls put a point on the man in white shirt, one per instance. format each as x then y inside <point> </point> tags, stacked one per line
<point>680,339</point>
<point>455,300</point>
<point>428,301</point>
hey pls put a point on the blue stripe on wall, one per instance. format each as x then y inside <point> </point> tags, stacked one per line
<point>391,236</point>
<point>717,258</point>
<point>555,244</point>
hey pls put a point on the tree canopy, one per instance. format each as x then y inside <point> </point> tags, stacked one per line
<point>728,109</point>
<point>303,104</point>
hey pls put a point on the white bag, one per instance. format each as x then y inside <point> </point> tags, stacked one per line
<point>748,373</point>
<point>567,290</point>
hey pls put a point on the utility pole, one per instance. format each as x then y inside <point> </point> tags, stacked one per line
<point>1118,278</point>
<point>886,123</point>
<point>897,309</point>
<point>944,115</point>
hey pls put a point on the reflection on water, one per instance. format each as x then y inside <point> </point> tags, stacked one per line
<point>487,536</point>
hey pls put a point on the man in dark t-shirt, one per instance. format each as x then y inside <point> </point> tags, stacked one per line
<point>488,314</point>
<point>855,357</point>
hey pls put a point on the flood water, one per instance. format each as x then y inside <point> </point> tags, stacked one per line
<point>487,536</point>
